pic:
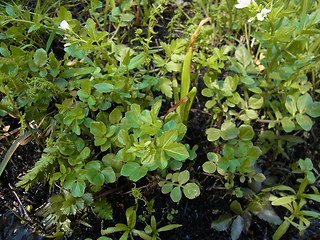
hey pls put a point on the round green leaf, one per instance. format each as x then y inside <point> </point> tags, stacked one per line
<point>191,190</point>
<point>166,188</point>
<point>98,129</point>
<point>213,134</point>
<point>246,132</point>
<point>259,177</point>
<point>115,116</point>
<point>291,105</point>
<point>183,177</point>
<point>213,157</point>
<point>229,130</point>
<point>209,167</point>
<point>304,121</point>
<point>176,194</point>
<point>40,57</point>
<point>109,175</point>
<point>304,102</point>
<point>251,114</point>
<point>287,124</point>
<point>255,101</point>
<point>134,171</point>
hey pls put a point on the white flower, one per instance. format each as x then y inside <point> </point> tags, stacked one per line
<point>243,3</point>
<point>263,14</point>
<point>64,25</point>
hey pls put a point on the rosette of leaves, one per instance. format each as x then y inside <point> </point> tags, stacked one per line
<point>238,153</point>
<point>105,133</point>
<point>149,143</point>
<point>177,181</point>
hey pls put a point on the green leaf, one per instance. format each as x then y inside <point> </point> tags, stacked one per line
<point>222,223</point>
<point>77,187</point>
<point>213,134</point>
<point>184,177</point>
<point>98,129</point>
<point>115,116</point>
<point>259,177</point>
<point>109,175</point>
<point>167,138</point>
<point>191,190</point>
<point>91,28</point>
<point>314,197</point>
<point>304,102</point>
<point>127,17</point>
<point>281,230</point>
<point>287,124</point>
<point>243,56</point>
<point>306,165</point>
<point>137,61</point>
<point>177,151</point>
<point>314,110</point>
<point>134,171</point>
<point>283,200</point>
<point>74,52</point>
<point>252,114</point>
<point>237,228</point>
<point>40,57</point>
<point>209,167</point>
<point>304,121</point>
<point>235,207</point>
<point>176,194</point>
<point>291,105</point>
<point>94,174</point>
<point>229,130</point>
<point>131,216</point>
<point>246,132</point>
<point>255,101</point>
<point>166,188</point>
<point>165,86</point>
<point>169,227</point>
<point>173,67</point>
<point>284,33</point>
<point>104,87</point>
<point>268,214</point>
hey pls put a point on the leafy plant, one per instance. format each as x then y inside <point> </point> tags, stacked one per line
<point>174,183</point>
<point>150,232</point>
<point>294,201</point>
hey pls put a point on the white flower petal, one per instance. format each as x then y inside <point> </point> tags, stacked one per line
<point>64,25</point>
<point>243,3</point>
<point>260,17</point>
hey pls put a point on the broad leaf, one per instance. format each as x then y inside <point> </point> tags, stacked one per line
<point>237,228</point>
<point>40,57</point>
<point>213,134</point>
<point>304,121</point>
<point>177,151</point>
<point>134,171</point>
<point>176,194</point>
<point>191,190</point>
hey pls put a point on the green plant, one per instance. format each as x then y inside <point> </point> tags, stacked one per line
<point>241,219</point>
<point>150,232</point>
<point>187,95</point>
<point>294,201</point>
<point>174,183</point>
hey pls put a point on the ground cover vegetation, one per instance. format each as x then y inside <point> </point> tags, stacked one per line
<point>175,102</point>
